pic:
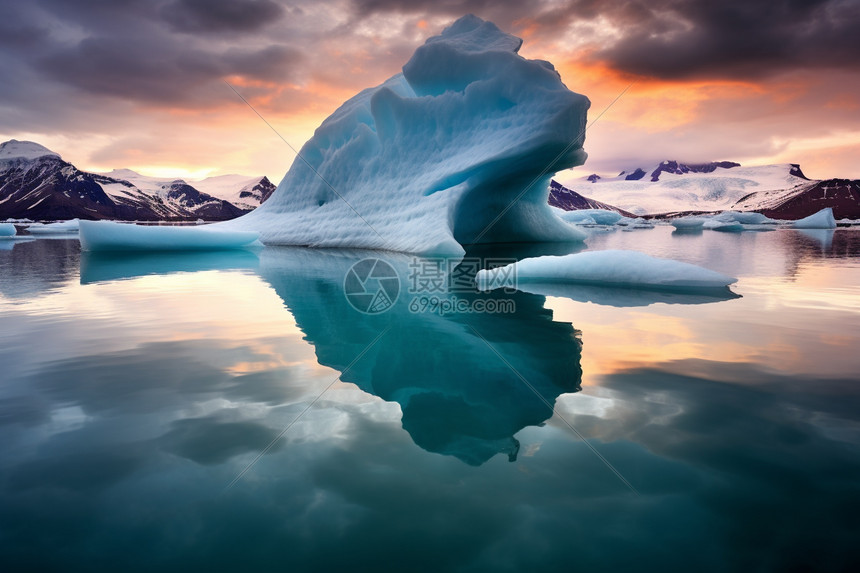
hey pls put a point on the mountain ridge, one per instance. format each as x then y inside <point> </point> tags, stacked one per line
<point>37,184</point>
<point>780,191</point>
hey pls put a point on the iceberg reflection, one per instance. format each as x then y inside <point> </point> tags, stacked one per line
<point>110,266</point>
<point>458,377</point>
<point>627,297</point>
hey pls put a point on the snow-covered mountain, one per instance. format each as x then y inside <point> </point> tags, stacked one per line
<point>672,187</point>
<point>36,183</point>
<point>16,151</point>
<point>243,191</point>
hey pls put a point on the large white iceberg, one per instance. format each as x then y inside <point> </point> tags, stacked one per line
<point>108,236</point>
<point>821,220</point>
<point>437,156</point>
<point>630,269</point>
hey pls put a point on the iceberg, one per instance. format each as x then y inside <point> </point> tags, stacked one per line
<point>723,226</point>
<point>457,149</point>
<point>7,230</point>
<point>821,220</point>
<point>109,236</point>
<point>745,218</point>
<point>630,269</point>
<point>688,223</point>
<point>59,228</point>
<point>590,216</point>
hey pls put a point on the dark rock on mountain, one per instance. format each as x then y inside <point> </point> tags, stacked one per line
<point>569,200</point>
<point>682,168</point>
<point>635,176</point>
<point>200,204</point>
<point>842,195</point>
<point>795,170</point>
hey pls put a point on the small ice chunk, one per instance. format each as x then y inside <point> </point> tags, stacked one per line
<point>688,223</point>
<point>630,269</point>
<point>58,228</point>
<point>7,230</point>
<point>822,220</point>
<point>637,223</point>
<point>108,236</point>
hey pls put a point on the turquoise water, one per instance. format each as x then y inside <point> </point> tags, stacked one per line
<point>234,412</point>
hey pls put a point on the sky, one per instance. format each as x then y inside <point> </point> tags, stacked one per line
<point>146,84</point>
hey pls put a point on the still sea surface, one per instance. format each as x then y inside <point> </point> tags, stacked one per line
<point>235,412</point>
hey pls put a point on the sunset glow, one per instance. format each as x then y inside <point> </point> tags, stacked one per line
<point>121,88</point>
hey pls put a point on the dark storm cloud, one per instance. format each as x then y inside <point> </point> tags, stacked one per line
<point>682,38</point>
<point>138,51</point>
<point>145,70</point>
<point>737,38</point>
<point>221,15</point>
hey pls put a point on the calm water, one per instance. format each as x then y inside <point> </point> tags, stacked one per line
<point>233,412</point>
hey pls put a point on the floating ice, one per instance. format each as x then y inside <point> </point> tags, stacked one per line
<point>7,230</point>
<point>581,220</point>
<point>688,223</point>
<point>745,218</point>
<point>611,268</point>
<point>435,157</point>
<point>597,216</point>
<point>722,226</point>
<point>821,220</point>
<point>637,223</point>
<point>59,228</point>
<point>108,236</point>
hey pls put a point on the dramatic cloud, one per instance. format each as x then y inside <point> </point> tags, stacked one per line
<point>221,15</point>
<point>141,82</point>
<point>680,38</point>
<point>736,38</point>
